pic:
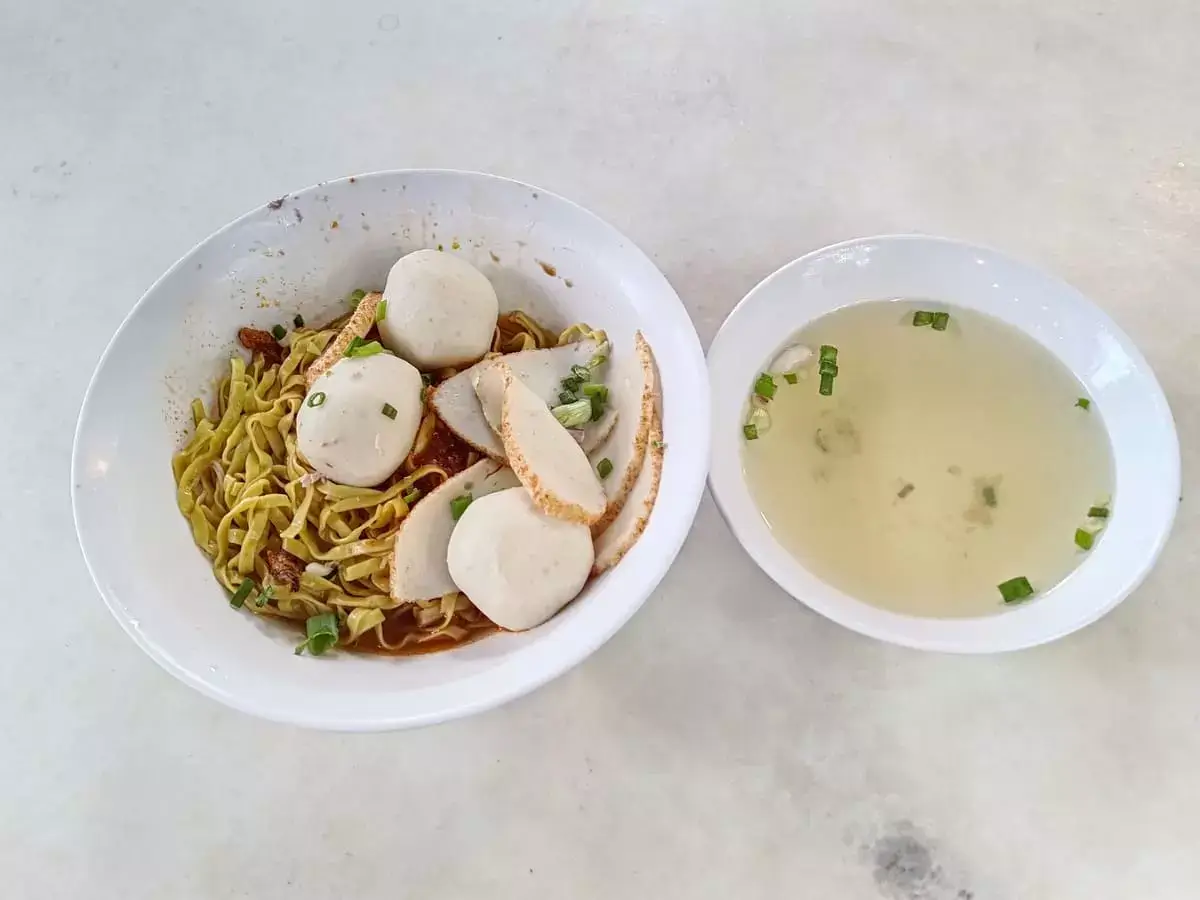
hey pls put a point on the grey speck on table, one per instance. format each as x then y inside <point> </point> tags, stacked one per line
<point>727,743</point>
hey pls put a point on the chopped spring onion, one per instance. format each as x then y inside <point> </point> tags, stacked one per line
<point>1098,512</point>
<point>940,321</point>
<point>659,445</point>
<point>828,367</point>
<point>389,410</point>
<point>459,505</point>
<point>321,634</point>
<point>412,496</point>
<point>828,352</point>
<point>242,592</point>
<point>604,468</point>
<point>597,395</point>
<point>356,297</point>
<point>1083,403</point>
<point>264,596</point>
<point>573,415</point>
<point>750,432</point>
<point>599,359</point>
<point>1016,589</point>
<point>790,377</point>
<point>566,397</point>
<point>298,321</point>
<point>1084,539</point>
<point>316,399</point>
<point>921,318</point>
<point>359,348</point>
<point>989,496</point>
<point>826,388</point>
<point>381,311</point>
<point>279,332</point>
<point>764,386</point>
<point>759,418</point>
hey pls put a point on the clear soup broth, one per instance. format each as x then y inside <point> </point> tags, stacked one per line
<point>943,464</point>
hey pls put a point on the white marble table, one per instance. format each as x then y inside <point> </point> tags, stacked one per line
<point>727,743</point>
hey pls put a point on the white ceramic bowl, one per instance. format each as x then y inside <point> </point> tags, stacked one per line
<point>1135,413</point>
<point>542,253</point>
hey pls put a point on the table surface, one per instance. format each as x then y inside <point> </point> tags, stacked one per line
<point>727,742</point>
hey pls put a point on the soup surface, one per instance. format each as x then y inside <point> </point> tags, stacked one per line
<point>944,463</point>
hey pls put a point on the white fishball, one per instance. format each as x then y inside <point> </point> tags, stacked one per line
<point>518,566</point>
<point>345,427</point>
<point>441,311</point>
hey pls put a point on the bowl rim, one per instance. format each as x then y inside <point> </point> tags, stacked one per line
<point>966,635</point>
<point>548,665</point>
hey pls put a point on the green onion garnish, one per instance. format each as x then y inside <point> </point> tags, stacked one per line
<point>278,332</point>
<point>298,321</point>
<point>581,372</point>
<point>989,496</point>
<point>597,394</point>
<point>356,297</point>
<point>381,311</point>
<point>1098,512</point>
<point>316,399</point>
<point>751,432</point>
<point>597,361</point>
<point>412,496</point>
<point>1016,589</point>
<point>828,367</point>
<point>459,505</point>
<point>573,415</point>
<point>322,633</point>
<point>1083,403</point>
<point>1084,539</point>
<point>764,386</point>
<point>828,352</point>
<point>264,596</point>
<point>940,321</point>
<point>790,377</point>
<point>389,410</point>
<point>363,348</point>
<point>604,468</point>
<point>242,592</point>
<point>566,397</point>
<point>826,388</point>
<point>921,318</point>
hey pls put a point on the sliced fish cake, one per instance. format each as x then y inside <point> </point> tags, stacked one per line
<point>518,565</point>
<point>633,391</point>
<point>458,406</point>
<point>469,402</point>
<point>544,456</point>
<point>617,539</point>
<point>596,433</point>
<point>419,570</point>
<point>356,326</point>
<point>542,371</point>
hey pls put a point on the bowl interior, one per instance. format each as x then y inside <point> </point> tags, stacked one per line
<point>300,255</point>
<point>1127,396</point>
